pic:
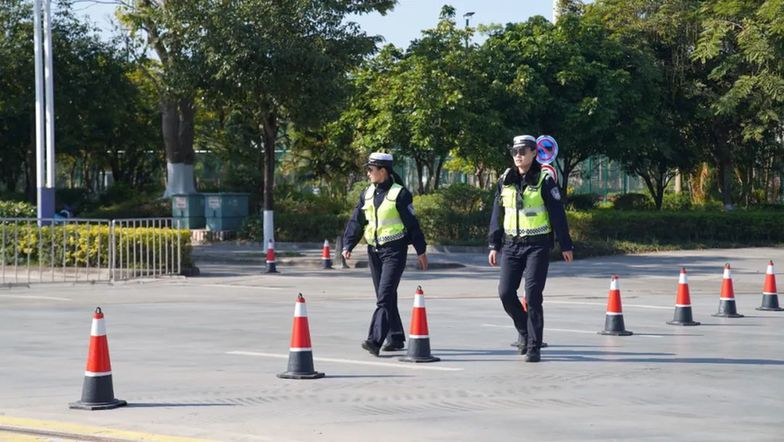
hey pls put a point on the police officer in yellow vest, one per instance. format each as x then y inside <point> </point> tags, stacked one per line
<point>532,209</point>
<point>385,217</point>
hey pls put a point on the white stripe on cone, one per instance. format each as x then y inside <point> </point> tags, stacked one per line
<point>682,305</point>
<point>419,301</point>
<point>727,274</point>
<point>98,327</point>
<point>93,374</point>
<point>419,336</point>
<point>614,285</point>
<point>301,349</point>
<point>682,279</point>
<point>300,311</point>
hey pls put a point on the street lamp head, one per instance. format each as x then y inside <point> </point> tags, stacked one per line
<point>468,14</point>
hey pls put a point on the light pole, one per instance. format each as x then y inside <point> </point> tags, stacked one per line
<point>44,108</point>
<point>467,17</point>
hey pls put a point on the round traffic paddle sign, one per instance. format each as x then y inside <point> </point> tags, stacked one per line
<point>546,149</point>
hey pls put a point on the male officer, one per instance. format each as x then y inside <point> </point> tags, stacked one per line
<point>532,209</point>
<point>385,214</point>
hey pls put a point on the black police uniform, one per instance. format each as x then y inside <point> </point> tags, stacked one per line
<point>527,256</point>
<point>387,262</point>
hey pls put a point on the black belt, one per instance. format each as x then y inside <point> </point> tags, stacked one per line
<point>528,239</point>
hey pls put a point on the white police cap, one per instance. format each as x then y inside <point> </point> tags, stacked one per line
<point>524,140</point>
<point>380,159</point>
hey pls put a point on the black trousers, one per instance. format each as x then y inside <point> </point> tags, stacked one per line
<point>387,263</point>
<point>530,261</point>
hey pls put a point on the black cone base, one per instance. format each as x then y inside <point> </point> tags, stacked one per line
<point>290,375</point>
<point>271,268</point>
<point>727,309</point>
<point>79,405</point>
<point>770,303</point>
<point>613,325</point>
<point>97,394</point>
<point>327,265</point>
<point>419,351</point>
<point>683,317</point>
<point>300,366</point>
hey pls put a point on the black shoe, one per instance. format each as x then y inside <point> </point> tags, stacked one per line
<point>394,346</point>
<point>523,349</point>
<point>371,347</point>
<point>533,355</point>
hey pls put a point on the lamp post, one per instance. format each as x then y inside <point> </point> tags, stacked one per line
<point>467,17</point>
<point>44,108</point>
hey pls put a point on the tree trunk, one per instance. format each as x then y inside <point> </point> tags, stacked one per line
<point>420,175</point>
<point>177,117</point>
<point>437,174</point>
<point>269,135</point>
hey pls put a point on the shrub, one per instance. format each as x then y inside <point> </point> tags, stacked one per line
<point>633,201</point>
<point>17,209</point>
<point>457,214</point>
<point>676,201</point>
<point>673,227</point>
<point>581,201</point>
<point>83,245</point>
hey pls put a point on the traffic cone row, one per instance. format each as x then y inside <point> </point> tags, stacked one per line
<point>271,266</point>
<point>683,303</point>
<point>613,323</point>
<point>770,298</point>
<point>727,307</point>
<point>300,352</point>
<point>326,258</point>
<point>97,390</point>
<point>419,336</point>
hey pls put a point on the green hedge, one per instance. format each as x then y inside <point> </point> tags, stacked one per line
<point>17,209</point>
<point>672,227</point>
<point>80,245</point>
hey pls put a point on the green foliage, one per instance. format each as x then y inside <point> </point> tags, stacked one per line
<point>301,216</point>
<point>17,209</point>
<point>82,245</point>
<point>632,201</point>
<point>456,214</point>
<point>674,227</point>
<point>581,201</point>
<point>676,201</point>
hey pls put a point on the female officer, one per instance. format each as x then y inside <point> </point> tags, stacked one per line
<point>385,213</point>
<point>532,210</point>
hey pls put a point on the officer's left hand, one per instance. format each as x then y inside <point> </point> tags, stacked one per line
<point>422,261</point>
<point>568,256</point>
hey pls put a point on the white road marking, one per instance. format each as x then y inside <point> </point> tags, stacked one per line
<point>349,361</point>
<point>48,298</point>
<point>569,330</point>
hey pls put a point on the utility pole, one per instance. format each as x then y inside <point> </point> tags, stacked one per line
<point>467,17</point>
<point>44,109</point>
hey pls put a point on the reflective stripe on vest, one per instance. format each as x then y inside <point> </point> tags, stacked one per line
<point>531,218</point>
<point>383,222</point>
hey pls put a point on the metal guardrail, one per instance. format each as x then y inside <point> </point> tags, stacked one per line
<point>145,247</point>
<point>34,250</point>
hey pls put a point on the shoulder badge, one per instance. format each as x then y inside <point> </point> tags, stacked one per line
<point>556,193</point>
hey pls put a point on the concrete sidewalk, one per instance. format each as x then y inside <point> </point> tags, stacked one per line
<point>308,255</point>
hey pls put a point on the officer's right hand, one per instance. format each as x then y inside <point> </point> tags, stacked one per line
<point>492,258</point>
<point>347,254</point>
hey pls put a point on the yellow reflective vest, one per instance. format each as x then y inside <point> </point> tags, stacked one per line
<point>383,222</point>
<point>525,216</point>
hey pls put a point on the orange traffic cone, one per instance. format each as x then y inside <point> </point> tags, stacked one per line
<point>519,343</point>
<point>727,307</point>
<point>97,390</point>
<point>683,303</point>
<point>613,322</point>
<point>271,267</point>
<point>300,352</point>
<point>770,297</point>
<point>326,258</point>
<point>419,339</point>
